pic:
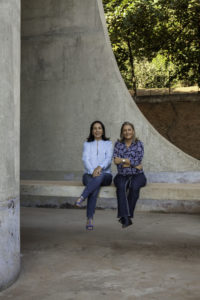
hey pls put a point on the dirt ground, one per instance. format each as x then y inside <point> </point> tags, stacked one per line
<point>165,91</point>
<point>157,258</point>
<point>179,122</point>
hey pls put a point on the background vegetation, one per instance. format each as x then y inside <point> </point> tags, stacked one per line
<point>156,42</point>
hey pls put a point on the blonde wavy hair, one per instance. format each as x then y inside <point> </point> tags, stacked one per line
<point>135,139</point>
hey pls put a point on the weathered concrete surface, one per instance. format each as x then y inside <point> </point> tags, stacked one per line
<point>9,141</point>
<point>73,189</point>
<point>158,258</point>
<point>162,177</point>
<point>143,205</point>
<point>166,197</point>
<point>69,79</point>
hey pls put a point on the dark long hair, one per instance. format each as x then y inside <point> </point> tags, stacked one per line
<point>135,139</point>
<point>91,136</point>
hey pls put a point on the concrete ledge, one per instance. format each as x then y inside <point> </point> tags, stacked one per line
<point>181,97</point>
<point>152,177</point>
<point>165,197</point>
<point>157,191</point>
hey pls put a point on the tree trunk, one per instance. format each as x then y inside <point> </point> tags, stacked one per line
<point>131,59</point>
<point>198,75</point>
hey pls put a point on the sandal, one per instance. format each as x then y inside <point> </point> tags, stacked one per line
<point>89,225</point>
<point>78,202</point>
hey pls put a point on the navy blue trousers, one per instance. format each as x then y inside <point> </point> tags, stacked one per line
<point>128,190</point>
<point>91,191</point>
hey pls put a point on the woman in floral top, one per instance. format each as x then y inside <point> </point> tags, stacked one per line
<point>128,154</point>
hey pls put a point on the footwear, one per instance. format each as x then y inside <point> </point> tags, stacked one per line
<point>126,221</point>
<point>121,220</point>
<point>78,202</point>
<point>89,225</point>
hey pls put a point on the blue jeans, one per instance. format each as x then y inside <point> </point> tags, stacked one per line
<point>128,189</point>
<point>91,191</point>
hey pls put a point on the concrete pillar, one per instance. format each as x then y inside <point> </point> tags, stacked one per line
<point>69,79</point>
<point>9,141</point>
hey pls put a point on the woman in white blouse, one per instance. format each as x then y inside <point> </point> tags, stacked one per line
<point>97,158</point>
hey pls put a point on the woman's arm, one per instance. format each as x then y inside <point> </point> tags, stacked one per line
<point>126,163</point>
<point>109,154</point>
<point>116,155</point>
<point>86,158</point>
<point>136,157</point>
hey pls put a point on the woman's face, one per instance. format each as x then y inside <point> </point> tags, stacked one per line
<point>128,132</point>
<point>97,131</point>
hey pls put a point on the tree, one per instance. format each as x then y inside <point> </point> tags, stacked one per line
<point>186,51</point>
<point>181,23</point>
<point>139,29</point>
<point>131,27</point>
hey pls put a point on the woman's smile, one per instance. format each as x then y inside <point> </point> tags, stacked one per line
<point>128,132</point>
<point>97,131</point>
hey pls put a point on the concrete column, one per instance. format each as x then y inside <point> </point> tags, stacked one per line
<point>9,141</point>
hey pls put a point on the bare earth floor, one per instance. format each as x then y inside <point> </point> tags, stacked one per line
<point>156,258</point>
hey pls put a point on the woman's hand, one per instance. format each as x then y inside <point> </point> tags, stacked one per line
<point>125,161</point>
<point>139,167</point>
<point>97,171</point>
<point>117,160</point>
<point>126,165</point>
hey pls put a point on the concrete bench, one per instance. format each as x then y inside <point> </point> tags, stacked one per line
<point>156,196</point>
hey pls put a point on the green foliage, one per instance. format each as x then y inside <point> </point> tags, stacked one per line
<point>182,45</point>
<point>156,73</point>
<point>131,28</point>
<point>140,29</point>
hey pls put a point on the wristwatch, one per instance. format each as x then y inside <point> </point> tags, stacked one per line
<point>123,160</point>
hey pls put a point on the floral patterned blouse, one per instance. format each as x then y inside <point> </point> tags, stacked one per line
<point>134,153</point>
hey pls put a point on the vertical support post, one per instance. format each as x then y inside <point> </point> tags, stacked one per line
<point>9,141</point>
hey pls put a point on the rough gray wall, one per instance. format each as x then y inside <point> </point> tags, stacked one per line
<point>69,79</point>
<point>9,141</point>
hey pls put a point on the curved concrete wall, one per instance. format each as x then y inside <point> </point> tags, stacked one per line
<point>69,79</point>
<point>9,141</point>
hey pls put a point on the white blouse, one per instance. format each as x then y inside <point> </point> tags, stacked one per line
<point>97,153</point>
